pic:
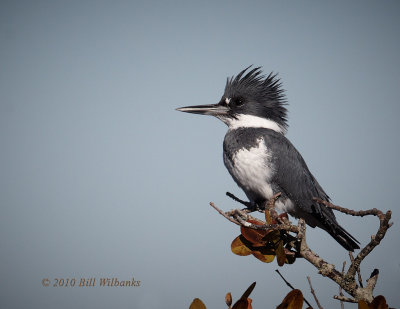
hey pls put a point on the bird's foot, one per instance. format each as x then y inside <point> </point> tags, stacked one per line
<point>269,206</point>
<point>236,199</point>
<point>250,206</point>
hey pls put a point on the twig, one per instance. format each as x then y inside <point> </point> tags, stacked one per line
<point>360,213</point>
<point>223,214</point>
<point>371,282</point>
<point>360,292</point>
<point>290,286</point>
<point>287,282</point>
<point>358,269</point>
<point>313,293</point>
<point>345,299</point>
<point>340,287</point>
<point>384,226</point>
<point>346,281</point>
<point>236,216</point>
<point>270,205</point>
<point>325,269</point>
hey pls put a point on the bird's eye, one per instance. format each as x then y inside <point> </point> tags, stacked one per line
<point>239,101</point>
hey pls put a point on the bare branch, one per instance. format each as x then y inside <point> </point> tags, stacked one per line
<point>236,216</point>
<point>313,293</point>
<point>371,282</point>
<point>360,213</point>
<point>358,269</point>
<point>359,292</point>
<point>287,282</point>
<point>270,205</point>
<point>384,226</point>
<point>223,214</point>
<point>340,288</point>
<point>346,281</point>
<point>345,299</point>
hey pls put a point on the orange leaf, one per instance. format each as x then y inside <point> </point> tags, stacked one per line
<point>240,247</point>
<point>250,289</point>
<point>252,235</point>
<point>264,255</point>
<point>294,300</point>
<point>228,299</point>
<point>362,304</point>
<point>243,304</point>
<point>280,254</point>
<point>268,217</point>
<point>272,236</point>
<point>379,302</point>
<point>197,304</point>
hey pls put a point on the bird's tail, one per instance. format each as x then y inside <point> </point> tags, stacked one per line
<point>339,233</point>
<point>343,237</point>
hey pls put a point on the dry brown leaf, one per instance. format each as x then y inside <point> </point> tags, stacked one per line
<point>197,304</point>
<point>362,305</point>
<point>243,304</point>
<point>264,255</point>
<point>239,246</point>
<point>250,289</point>
<point>272,236</point>
<point>293,300</point>
<point>379,302</point>
<point>252,235</point>
<point>228,299</point>
<point>280,254</point>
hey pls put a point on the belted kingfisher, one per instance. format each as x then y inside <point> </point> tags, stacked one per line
<point>259,157</point>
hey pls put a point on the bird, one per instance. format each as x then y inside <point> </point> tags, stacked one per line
<point>259,157</point>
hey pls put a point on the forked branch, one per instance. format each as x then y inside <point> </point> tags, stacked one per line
<point>345,280</point>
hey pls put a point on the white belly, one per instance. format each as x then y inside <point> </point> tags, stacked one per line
<point>252,170</point>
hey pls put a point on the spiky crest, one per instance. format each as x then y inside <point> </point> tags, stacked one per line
<point>265,93</point>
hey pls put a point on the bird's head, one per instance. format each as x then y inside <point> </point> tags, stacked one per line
<point>250,100</point>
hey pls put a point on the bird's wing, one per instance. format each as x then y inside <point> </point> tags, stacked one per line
<point>293,176</point>
<point>296,181</point>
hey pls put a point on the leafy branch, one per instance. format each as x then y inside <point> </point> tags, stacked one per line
<point>274,237</point>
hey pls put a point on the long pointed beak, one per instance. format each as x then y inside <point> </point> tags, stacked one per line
<point>211,109</point>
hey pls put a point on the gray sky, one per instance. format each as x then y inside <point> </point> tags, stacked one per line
<point>101,177</point>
